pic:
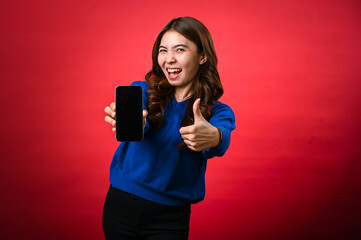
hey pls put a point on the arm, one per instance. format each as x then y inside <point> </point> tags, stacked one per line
<point>224,119</point>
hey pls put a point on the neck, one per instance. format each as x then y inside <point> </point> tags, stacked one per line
<point>182,94</point>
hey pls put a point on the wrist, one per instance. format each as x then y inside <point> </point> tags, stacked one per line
<point>218,137</point>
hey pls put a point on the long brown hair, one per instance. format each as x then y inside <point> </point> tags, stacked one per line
<point>207,85</point>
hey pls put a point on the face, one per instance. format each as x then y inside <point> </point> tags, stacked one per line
<point>179,59</point>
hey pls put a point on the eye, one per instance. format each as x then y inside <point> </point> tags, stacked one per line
<point>162,50</point>
<point>180,50</point>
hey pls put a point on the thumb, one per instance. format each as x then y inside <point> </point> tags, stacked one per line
<point>197,111</point>
<point>145,113</point>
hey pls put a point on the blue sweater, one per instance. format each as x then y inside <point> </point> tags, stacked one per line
<point>157,169</point>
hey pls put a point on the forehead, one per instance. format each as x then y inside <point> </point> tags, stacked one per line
<point>172,38</point>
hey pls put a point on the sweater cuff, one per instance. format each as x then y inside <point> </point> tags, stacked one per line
<point>219,150</point>
<point>220,137</point>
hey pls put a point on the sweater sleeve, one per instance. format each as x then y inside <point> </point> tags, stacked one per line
<point>144,86</point>
<point>224,119</point>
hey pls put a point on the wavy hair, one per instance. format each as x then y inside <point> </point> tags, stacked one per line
<point>207,85</point>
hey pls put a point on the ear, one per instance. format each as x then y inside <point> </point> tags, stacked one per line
<point>203,59</point>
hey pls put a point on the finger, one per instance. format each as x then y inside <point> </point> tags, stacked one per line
<point>145,114</point>
<point>114,129</point>
<point>185,136</point>
<point>197,111</point>
<point>109,111</point>
<point>112,106</point>
<point>110,120</point>
<point>192,148</point>
<point>185,130</point>
<point>189,143</point>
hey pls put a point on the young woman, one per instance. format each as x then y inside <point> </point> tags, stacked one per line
<point>153,182</point>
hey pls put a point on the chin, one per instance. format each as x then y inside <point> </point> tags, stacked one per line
<point>174,83</point>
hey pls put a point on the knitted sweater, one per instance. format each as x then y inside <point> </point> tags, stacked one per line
<point>157,169</point>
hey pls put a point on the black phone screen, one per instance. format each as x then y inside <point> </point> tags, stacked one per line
<point>129,113</point>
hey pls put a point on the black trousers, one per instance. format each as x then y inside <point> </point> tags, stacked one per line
<point>129,217</point>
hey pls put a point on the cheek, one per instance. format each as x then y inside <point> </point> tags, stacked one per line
<point>160,60</point>
<point>193,68</point>
<point>192,64</point>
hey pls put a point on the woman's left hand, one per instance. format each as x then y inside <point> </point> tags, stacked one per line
<point>201,135</point>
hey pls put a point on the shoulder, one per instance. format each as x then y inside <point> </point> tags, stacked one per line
<point>143,84</point>
<point>220,107</point>
<point>222,113</point>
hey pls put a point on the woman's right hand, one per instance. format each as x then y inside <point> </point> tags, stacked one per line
<point>110,110</point>
<point>111,118</point>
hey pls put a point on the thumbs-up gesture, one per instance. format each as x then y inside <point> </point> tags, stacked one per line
<point>201,135</point>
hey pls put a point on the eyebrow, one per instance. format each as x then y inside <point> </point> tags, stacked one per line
<point>176,46</point>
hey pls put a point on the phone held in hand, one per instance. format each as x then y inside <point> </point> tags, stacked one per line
<point>129,113</point>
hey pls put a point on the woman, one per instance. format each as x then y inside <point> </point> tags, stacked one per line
<point>153,182</point>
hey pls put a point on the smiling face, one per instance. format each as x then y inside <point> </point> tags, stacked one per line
<point>179,59</point>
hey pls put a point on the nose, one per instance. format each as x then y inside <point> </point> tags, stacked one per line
<point>170,58</point>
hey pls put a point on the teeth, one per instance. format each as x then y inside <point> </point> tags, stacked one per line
<point>171,70</point>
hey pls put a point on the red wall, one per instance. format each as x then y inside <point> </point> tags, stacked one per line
<point>291,72</point>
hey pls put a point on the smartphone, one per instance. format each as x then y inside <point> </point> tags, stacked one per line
<point>129,113</point>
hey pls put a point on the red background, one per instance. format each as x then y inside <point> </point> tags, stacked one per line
<point>291,72</point>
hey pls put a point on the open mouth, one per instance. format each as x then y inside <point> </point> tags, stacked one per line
<point>173,73</point>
